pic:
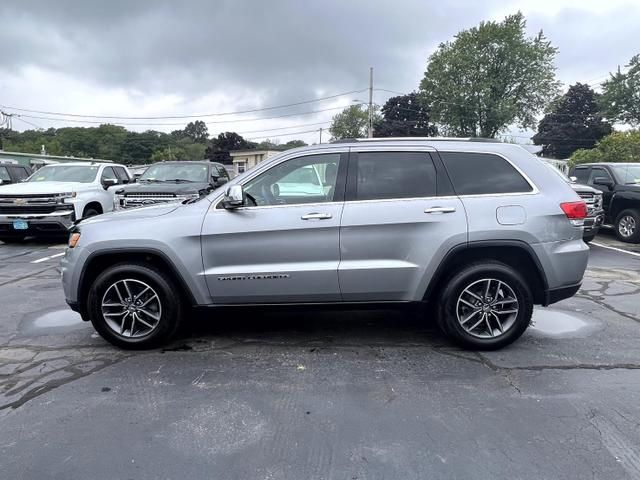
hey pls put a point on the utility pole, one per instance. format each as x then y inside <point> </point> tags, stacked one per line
<point>320,135</point>
<point>370,122</point>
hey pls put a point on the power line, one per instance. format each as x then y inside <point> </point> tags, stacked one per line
<point>97,122</point>
<point>18,117</point>
<point>283,134</point>
<point>284,128</point>
<point>304,102</point>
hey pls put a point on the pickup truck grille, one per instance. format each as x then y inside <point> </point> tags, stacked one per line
<point>593,201</point>
<point>17,204</point>
<point>130,200</point>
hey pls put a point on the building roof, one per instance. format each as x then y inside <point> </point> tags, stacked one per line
<point>52,157</point>
<point>237,153</point>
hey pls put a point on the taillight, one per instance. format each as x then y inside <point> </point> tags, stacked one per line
<point>576,212</point>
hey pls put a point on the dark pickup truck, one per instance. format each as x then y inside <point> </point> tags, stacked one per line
<point>620,187</point>
<point>13,173</point>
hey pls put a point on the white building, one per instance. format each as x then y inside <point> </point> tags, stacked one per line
<point>243,160</point>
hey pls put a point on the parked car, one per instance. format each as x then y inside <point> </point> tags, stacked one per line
<point>172,182</point>
<point>13,173</point>
<point>593,199</point>
<point>55,196</point>
<point>478,230</point>
<point>620,187</point>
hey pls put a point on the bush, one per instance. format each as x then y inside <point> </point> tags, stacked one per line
<point>619,147</point>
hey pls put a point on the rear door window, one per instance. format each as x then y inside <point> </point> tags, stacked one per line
<point>483,174</point>
<point>582,175</point>
<point>383,175</point>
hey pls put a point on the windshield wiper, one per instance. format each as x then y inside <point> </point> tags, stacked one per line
<point>179,180</point>
<point>150,180</point>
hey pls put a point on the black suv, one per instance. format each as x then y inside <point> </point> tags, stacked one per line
<point>172,181</point>
<point>13,173</point>
<point>620,186</point>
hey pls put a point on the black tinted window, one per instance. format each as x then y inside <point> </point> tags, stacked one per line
<point>581,174</point>
<point>598,173</point>
<point>122,174</point>
<point>483,173</point>
<point>395,175</point>
<point>20,173</point>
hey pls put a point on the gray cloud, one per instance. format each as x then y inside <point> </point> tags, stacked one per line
<point>272,52</point>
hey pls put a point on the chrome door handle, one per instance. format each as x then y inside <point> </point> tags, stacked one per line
<point>440,210</point>
<point>316,216</point>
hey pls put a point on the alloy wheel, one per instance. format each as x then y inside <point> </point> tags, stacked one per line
<point>131,308</point>
<point>627,226</point>
<point>487,308</point>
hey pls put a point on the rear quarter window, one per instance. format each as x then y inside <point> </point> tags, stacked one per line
<point>483,174</point>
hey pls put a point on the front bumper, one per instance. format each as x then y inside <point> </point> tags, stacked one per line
<point>37,223</point>
<point>592,224</point>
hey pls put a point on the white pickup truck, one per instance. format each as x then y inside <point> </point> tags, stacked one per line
<point>54,197</point>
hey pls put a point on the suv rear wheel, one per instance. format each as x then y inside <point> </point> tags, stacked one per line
<point>628,226</point>
<point>485,306</point>
<point>135,306</point>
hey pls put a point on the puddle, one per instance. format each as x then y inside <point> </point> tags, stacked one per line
<point>557,323</point>
<point>55,321</point>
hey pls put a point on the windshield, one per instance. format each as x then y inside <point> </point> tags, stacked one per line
<point>175,172</point>
<point>65,173</point>
<point>628,174</point>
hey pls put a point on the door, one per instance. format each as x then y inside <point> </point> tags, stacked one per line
<point>399,220</point>
<point>283,246</point>
<point>607,192</point>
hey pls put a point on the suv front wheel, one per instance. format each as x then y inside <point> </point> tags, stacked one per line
<point>485,306</point>
<point>135,306</point>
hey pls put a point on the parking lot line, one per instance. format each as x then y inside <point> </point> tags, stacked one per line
<point>616,249</point>
<point>50,257</point>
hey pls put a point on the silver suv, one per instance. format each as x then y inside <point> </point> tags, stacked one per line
<point>477,232</point>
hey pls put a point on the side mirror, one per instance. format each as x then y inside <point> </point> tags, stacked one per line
<point>233,197</point>
<point>218,181</point>
<point>603,182</point>
<point>573,179</point>
<point>109,182</point>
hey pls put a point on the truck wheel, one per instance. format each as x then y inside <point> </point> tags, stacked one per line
<point>90,212</point>
<point>485,306</point>
<point>628,226</point>
<point>135,306</point>
<point>13,239</point>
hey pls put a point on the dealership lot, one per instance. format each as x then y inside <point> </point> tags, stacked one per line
<point>309,394</point>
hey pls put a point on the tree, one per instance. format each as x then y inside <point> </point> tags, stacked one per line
<point>350,123</point>
<point>573,122</point>
<point>489,77</point>
<point>219,148</point>
<point>405,116</point>
<point>621,94</point>
<point>618,147</point>
<point>294,144</point>
<point>197,131</point>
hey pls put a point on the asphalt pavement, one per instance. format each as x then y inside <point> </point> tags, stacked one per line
<point>320,395</point>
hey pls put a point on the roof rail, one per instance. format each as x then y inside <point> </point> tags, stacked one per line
<point>413,139</point>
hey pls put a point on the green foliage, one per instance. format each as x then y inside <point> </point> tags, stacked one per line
<point>219,147</point>
<point>294,144</point>
<point>405,116</point>
<point>109,142</point>
<point>573,122</point>
<point>489,77</point>
<point>618,147</point>
<point>621,94</point>
<point>351,123</point>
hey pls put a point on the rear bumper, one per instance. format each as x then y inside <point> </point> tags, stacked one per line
<point>557,294</point>
<point>37,223</point>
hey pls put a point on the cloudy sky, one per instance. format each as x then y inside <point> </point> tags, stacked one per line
<point>163,58</point>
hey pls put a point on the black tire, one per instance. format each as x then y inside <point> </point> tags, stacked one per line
<point>90,212</point>
<point>13,239</point>
<point>588,238</point>
<point>626,220</point>
<point>170,301</point>
<point>472,275</point>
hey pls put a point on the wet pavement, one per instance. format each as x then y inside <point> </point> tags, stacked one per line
<point>344,395</point>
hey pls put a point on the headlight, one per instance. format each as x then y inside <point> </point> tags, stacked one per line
<point>61,197</point>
